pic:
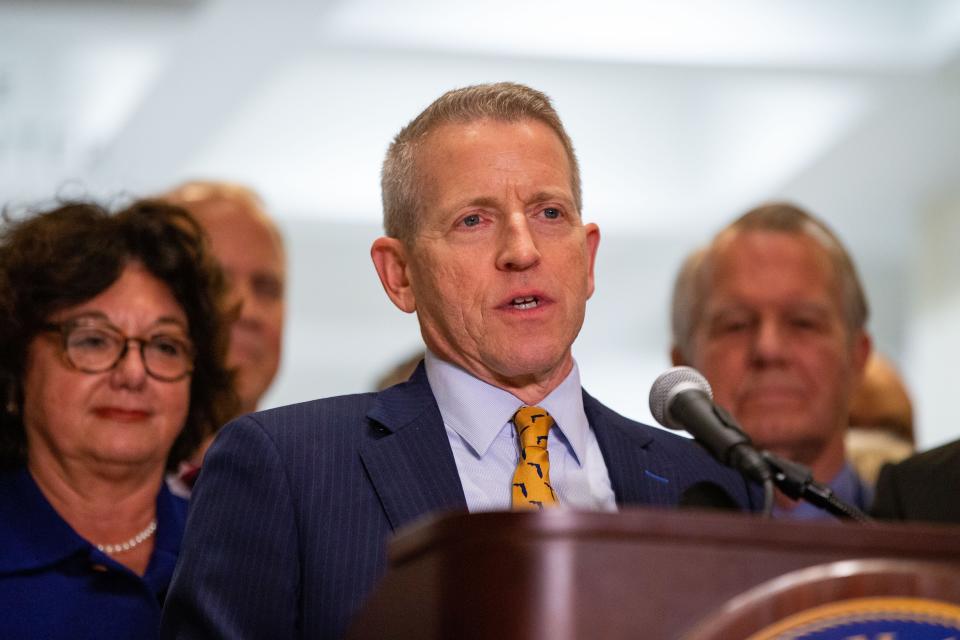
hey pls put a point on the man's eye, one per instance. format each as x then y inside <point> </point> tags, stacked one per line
<point>267,286</point>
<point>472,220</point>
<point>551,213</point>
<point>805,323</point>
<point>732,326</point>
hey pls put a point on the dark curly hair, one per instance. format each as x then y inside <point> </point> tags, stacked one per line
<point>63,257</point>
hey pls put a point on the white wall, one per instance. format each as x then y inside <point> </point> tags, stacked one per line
<point>933,326</point>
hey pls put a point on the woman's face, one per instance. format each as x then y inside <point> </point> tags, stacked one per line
<point>119,417</point>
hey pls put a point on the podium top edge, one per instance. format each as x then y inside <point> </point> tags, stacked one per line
<point>687,527</point>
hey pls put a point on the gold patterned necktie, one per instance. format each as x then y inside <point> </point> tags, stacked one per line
<point>531,480</point>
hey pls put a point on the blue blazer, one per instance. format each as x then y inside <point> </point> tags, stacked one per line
<point>56,584</point>
<point>289,523</point>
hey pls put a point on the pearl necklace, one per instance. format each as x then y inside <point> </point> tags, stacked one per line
<point>127,545</point>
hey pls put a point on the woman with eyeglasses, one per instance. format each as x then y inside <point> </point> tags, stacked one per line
<point>112,346</point>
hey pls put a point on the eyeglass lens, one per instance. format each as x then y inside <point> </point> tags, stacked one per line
<point>96,349</point>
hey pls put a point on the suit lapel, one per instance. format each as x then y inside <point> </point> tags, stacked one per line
<point>407,454</point>
<point>638,474</point>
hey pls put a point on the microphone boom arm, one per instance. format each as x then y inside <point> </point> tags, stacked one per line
<point>681,398</point>
<point>796,481</point>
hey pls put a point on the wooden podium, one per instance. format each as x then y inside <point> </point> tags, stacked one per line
<point>649,574</point>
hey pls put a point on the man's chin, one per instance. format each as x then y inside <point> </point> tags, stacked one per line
<point>530,366</point>
<point>786,411</point>
<point>774,431</point>
<point>249,390</point>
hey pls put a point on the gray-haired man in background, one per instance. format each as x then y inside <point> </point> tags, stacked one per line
<point>772,312</point>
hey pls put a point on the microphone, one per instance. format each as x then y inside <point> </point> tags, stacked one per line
<point>681,399</point>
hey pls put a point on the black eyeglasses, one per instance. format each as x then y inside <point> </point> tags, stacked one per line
<point>94,346</point>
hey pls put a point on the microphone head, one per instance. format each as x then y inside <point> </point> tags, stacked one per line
<point>669,384</point>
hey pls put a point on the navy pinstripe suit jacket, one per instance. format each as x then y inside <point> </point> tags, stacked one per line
<point>289,522</point>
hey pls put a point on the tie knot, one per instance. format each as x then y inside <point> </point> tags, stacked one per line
<point>532,424</point>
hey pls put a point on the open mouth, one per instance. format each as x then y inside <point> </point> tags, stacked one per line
<point>525,302</point>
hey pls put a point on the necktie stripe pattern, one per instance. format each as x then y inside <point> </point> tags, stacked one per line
<point>531,480</point>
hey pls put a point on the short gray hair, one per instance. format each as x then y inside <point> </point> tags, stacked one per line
<point>690,289</point>
<point>502,101</point>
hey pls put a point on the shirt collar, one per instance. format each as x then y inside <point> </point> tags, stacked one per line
<point>40,537</point>
<point>477,411</point>
<point>848,486</point>
<point>36,536</point>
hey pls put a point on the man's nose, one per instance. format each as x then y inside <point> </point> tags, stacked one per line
<point>770,342</point>
<point>518,248</point>
<point>242,298</point>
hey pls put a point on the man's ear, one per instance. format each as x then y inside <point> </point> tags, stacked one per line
<point>390,260</point>
<point>592,238</point>
<point>676,356</point>
<point>861,347</point>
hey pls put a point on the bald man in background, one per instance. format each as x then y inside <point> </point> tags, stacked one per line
<point>773,313</point>
<point>250,248</point>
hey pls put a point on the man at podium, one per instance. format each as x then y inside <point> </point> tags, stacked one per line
<point>485,243</point>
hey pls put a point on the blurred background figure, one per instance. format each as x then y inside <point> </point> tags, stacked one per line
<point>250,249</point>
<point>881,420</point>
<point>113,370</point>
<point>772,312</point>
<point>923,487</point>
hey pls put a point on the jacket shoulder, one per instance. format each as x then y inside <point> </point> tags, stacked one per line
<point>632,449</point>
<point>931,463</point>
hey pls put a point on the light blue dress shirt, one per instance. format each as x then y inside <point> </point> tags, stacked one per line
<point>477,416</point>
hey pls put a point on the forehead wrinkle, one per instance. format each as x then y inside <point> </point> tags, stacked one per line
<point>493,203</point>
<point>722,256</point>
<point>99,315</point>
<point>549,194</point>
<point>479,201</point>
<point>169,320</point>
<point>89,314</point>
<point>821,310</point>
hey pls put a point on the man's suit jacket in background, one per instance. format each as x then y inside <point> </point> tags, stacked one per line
<point>924,487</point>
<point>289,523</point>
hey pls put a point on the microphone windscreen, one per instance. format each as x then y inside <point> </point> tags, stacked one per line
<point>668,384</point>
<point>708,495</point>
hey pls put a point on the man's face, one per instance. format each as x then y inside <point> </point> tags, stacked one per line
<point>501,266</point>
<point>253,261</point>
<point>773,343</point>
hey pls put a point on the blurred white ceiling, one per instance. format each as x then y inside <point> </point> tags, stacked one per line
<point>683,113</point>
